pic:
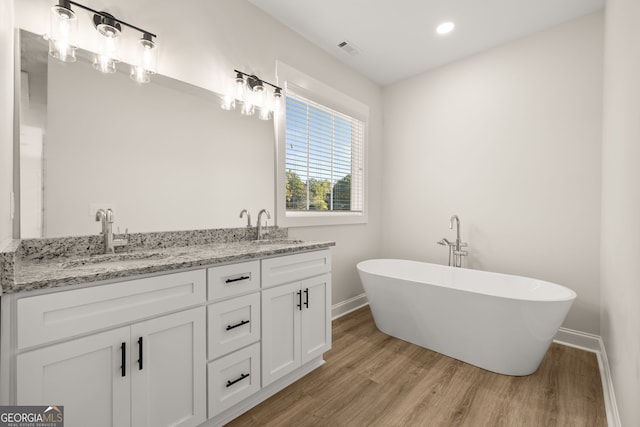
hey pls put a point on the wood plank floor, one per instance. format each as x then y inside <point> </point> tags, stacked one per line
<point>372,379</point>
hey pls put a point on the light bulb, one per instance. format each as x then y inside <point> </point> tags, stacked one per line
<point>63,33</point>
<point>146,60</point>
<point>259,95</point>
<point>239,87</point>
<point>108,43</point>
<point>277,100</point>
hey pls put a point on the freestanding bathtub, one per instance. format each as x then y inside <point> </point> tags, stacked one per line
<point>497,322</point>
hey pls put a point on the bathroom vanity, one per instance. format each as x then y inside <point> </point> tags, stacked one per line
<point>183,336</point>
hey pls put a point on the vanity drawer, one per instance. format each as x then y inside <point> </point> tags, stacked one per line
<point>233,378</point>
<point>64,314</point>
<point>234,279</point>
<point>290,268</point>
<point>233,324</point>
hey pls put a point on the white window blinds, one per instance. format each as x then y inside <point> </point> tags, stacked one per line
<point>323,158</point>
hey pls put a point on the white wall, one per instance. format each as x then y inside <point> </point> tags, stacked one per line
<point>620,256</point>
<point>510,141</point>
<point>202,41</point>
<point>6,118</point>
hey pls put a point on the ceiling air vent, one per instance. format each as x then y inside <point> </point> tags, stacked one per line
<point>349,48</point>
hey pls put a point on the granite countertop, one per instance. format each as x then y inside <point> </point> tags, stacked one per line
<point>37,272</point>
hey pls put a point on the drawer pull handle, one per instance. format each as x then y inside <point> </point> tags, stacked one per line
<point>140,353</point>
<point>243,376</point>
<point>123,352</point>
<point>237,279</point>
<point>244,322</point>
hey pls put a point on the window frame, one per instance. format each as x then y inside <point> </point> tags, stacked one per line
<point>305,86</point>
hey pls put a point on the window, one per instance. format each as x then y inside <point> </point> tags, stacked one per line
<point>323,158</point>
<point>321,154</point>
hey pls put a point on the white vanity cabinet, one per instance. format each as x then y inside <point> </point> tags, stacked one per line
<point>192,348</point>
<point>296,312</point>
<point>144,373</point>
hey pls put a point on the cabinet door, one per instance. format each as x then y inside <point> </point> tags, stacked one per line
<point>168,380</point>
<point>316,317</point>
<point>280,331</point>
<point>83,375</point>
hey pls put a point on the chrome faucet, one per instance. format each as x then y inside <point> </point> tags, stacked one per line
<point>455,252</point>
<point>107,231</point>
<point>243,212</point>
<point>263,211</point>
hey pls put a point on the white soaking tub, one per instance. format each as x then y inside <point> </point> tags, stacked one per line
<point>498,322</point>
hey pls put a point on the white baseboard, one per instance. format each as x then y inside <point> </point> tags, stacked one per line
<point>594,343</point>
<point>347,306</point>
<point>577,339</point>
<point>613,416</point>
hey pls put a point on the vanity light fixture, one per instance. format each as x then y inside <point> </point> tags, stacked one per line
<point>63,40</point>
<point>251,92</point>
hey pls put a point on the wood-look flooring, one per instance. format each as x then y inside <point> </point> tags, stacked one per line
<point>372,379</point>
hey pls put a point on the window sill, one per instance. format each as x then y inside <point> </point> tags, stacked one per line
<point>311,219</point>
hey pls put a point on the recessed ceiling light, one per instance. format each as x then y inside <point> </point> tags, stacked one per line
<point>445,27</point>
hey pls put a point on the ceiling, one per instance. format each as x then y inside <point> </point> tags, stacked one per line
<point>396,39</point>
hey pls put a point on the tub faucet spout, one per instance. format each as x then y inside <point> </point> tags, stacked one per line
<point>455,217</point>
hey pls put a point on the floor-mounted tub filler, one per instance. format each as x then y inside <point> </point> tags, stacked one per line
<point>498,322</point>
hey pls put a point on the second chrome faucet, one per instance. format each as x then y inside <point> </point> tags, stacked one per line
<point>244,212</point>
<point>263,211</point>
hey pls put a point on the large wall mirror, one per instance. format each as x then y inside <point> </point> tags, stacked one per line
<point>163,155</point>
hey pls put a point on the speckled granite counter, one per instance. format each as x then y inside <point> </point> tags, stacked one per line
<point>8,251</point>
<point>38,264</point>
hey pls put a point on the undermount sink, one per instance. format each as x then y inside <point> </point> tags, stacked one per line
<point>276,242</point>
<point>108,258</point>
